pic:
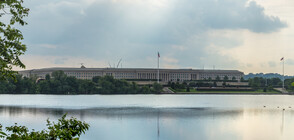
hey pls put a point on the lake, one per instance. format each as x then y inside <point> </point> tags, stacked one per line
<point>159,117</point>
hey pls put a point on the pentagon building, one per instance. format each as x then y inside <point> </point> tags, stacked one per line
<point>139,74</point>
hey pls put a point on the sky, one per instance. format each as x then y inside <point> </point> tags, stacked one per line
<point>247,35</point>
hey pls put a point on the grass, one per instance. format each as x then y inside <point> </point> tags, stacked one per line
<point>249,92</point>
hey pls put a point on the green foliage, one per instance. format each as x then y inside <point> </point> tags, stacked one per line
<point>11,46</point>
<point>180,86</point>
<point>255,83</point>
<point>262,83</point>
<point>242,79</point>
<point>95,79</point>
<point>217,78</point>
<point>64,129</point>
<point>226,78</point>
<point>157,87</point>
<point>192,84</point>
<point>233,78</point>
<point>145,90</point>
<point>169,83</point>
<point>173,85</point>
<point>60,83</point>
<point>264,89</point>
<point>18,85</point>
<point>214,84</point>
<point>2,134</point>
<point>188,89</point>
<point>270,88</point>
<point>289,84</point>
<point>224,84</point>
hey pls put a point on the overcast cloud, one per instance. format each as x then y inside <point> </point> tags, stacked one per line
<point>187,33</point>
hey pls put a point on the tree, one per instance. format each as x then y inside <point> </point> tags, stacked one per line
<point>173,85</point>
<point>254,83</point>
<point>169,83</point>
<point>292,85</point>
<point>188,89</point>
<point>47,77</point>
<point>95,79</point>
<point>59,75</point>
<point>134,88</point>
<point>264,89</point>
<point>224,84</point>
<point>234,78</point>
<point>86,86</point>
<point>242,79</point>
<point>145,90</point>
<point>270,88</point>
<point>192,84</point>
<point>276,81</point>
<point>226,78</point>
<point>44,87</point>
<point>73,84</point>
<point>157,87</point>
<point>11,46</point>
<point>217,78</point>
<point>65,129</point>
<point>214,84</point>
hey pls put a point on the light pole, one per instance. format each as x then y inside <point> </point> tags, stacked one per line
<point>282,59</point>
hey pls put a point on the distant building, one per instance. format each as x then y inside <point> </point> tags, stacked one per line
<point>165,75</point>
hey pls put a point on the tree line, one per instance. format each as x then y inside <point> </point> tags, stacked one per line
<point>270,83</point>
<point>59,83</point>
<point>256,83</point>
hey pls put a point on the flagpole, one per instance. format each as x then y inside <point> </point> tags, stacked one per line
<point>283,72</point>
<point>157,67</point>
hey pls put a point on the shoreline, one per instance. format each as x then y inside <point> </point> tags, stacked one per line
<point>179,93</point>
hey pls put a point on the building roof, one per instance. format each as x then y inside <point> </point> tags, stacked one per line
<point>129,69</point>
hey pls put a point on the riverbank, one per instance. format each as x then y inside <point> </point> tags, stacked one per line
<point>178,93</point>
<point>230,93</point>
<point>224,92</point>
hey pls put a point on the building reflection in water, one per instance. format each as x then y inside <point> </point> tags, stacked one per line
<point>168,123</point>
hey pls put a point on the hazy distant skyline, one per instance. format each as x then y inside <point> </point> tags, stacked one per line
<point>247,35</point>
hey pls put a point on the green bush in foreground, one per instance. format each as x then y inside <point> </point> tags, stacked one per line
<point>64,129</point>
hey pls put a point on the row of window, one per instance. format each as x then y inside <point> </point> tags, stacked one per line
<point>164,76</point>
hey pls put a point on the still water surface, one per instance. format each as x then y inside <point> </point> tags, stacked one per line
<point>163,117</point>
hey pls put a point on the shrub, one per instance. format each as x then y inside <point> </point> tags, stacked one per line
<point>64,129</point>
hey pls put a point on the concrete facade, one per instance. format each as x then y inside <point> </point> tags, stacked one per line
<point>146,74</point>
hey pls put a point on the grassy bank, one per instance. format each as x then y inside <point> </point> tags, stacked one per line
<point>224,92</point>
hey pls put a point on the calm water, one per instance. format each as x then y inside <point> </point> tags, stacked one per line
<point>165,117</point>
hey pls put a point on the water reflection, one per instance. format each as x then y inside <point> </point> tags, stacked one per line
<point>164,123</point>
<point>120,112</point>
<point>282,124</point>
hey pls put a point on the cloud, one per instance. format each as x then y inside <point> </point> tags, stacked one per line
<point>272,64</point>
<point>60,61</point>
<point>249,65</point>
<point>49,46</point>
<point>229,14</point>
<point>289,61</point>
<point>39,61</point>
<point>107,30</point>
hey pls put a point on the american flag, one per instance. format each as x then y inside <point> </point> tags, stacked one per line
<point>282,58</point>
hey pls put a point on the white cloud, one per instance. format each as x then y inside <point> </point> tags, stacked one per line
<point>179,47</point>
<point>49,46</point>
<point>38,61</point>
<point>186,33</point>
